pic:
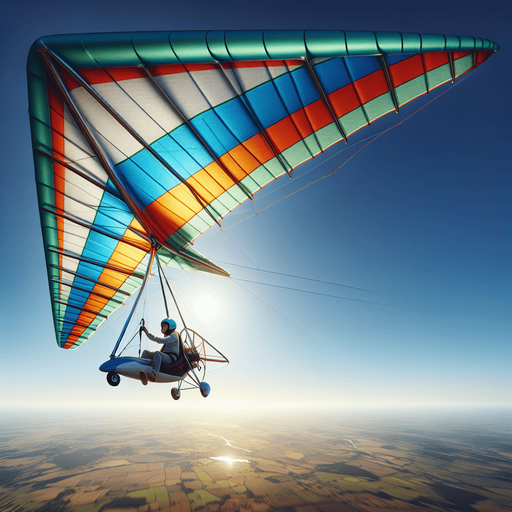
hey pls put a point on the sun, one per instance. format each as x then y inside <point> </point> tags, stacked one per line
<point>206,307</point>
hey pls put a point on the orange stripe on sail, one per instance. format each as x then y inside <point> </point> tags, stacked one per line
<point>206,185</point>
<point>241,161</point>
<point>300,120</point>
<point>482,56</point>
<point>57,123</point>
<point>217,177</point>
<point>259,148</point>
<point>344,100</point>
<point>283,134</point>
<point>168,213</point>
<point>318,114</point>
<point>371,86</point>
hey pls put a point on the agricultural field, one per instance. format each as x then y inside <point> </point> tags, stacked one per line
<point>326,466</point>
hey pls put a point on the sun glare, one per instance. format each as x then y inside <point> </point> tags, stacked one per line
<point>229,460</point>
<point>206,307</point>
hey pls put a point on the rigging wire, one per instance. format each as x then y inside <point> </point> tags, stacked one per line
<point>243,325</point>
<point>284,316</point>
<point>192,277</point>
<point>128,344</point>
<point>295,178</point>
<point>160,271</point>
<point>170,290</point>
<point>144,315</point>
<point>312,376</point>
<point>241,250</point>
<point>271,307</point>
<point>253,333</point>
<point>312,292</point>
<point>295,276</point>
<point>140,305</point>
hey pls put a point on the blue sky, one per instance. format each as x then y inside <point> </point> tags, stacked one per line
<point>420,220</point>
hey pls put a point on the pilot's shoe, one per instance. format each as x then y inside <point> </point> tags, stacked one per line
<point>152,376</point>
<point>143,378</point>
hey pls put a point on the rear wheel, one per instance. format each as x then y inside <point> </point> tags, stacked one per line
<point>205,389</point>
<point>113,378</point>
<point>175,393</point>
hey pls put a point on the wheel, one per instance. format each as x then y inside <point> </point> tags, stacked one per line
<point>113,378</point>
<point>175,393</point>
<point>205,389</point>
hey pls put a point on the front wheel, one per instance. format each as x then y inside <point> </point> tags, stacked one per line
<point>175,393</point>
<point>113,378</point>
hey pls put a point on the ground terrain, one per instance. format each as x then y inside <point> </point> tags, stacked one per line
<point>327,464</point>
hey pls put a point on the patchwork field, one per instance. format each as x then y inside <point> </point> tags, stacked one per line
<point>306,466</point>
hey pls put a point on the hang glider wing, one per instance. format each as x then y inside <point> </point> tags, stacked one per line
<point>144,138</point>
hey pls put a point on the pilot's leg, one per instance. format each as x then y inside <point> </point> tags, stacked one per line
<point>158,358</point>
<point>147,354</point>
<point>144,377</point>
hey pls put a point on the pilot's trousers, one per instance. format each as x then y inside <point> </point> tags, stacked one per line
<point>158,357</point>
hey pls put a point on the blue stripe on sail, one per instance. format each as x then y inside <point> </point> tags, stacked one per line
<point>98,247</point>
<point>359,67</point>
<point>145,179</point>
<point>288,93</point>
<point>214,132</point>
<point>393,59</point>
<point>266,104</point>
<point>305,86</point>
<point>188,151</point>
<point>113,216</point>
<point>237,118</point>
<point>332,75</point>
<point>71,316</point>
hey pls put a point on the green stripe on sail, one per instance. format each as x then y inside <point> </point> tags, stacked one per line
<point>438,76</point>
<point>379,106</point>
<point>353,121</point>
<point>410,90</point>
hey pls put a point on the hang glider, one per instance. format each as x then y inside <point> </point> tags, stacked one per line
<point>147,139</point>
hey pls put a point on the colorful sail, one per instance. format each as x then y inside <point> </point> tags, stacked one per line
<point>151,138</point>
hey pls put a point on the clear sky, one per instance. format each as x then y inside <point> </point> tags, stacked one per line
<point>420,220</point>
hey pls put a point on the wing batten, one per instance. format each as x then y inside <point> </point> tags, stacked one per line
<point>69,254</point>
<point>320,89</point>
<point>88,226</point>
<point>85,130</point>
<point>75,287</point>
<point>98,282</point>
<point>83,175</point>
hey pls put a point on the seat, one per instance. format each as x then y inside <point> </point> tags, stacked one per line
<point>179,368</point>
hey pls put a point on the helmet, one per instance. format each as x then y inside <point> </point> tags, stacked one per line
<point>170,322</point>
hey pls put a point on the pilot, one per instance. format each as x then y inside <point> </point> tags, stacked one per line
<point>168,354</point>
